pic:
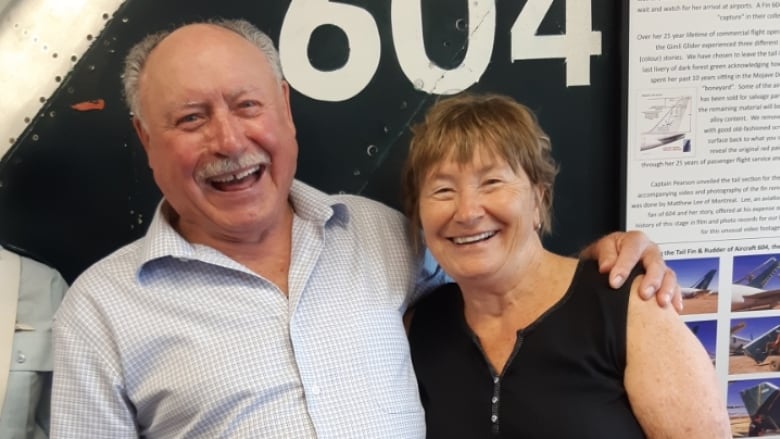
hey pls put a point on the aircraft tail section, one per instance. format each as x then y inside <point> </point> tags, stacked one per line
<point>762,274</point>
<point>670,122</point>
<point>704,282</point>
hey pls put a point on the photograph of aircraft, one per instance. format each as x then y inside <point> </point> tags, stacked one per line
<point>672,127</point>
<point>765,345</point>
<point>753,407</point>
<point>737,342</point>
<point>756,284</point>
<point>698,279</point>
<point>754,345</point>
<point>700,287</point>
<point>705,331</point>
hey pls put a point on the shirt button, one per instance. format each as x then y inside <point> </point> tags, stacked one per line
<point>494,419</point>
<point>494,399</point>
<point>495,380</point>
<point>20,357</point>
<point>315,390</point>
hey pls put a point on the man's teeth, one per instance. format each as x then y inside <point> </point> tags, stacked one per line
<point>235,177</point>
<point>473,238</point>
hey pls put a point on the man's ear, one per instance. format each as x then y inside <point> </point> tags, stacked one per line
<point>143,135</point>
<point>288,107</point>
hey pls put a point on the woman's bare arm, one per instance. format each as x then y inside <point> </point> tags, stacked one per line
<point>670,379</point>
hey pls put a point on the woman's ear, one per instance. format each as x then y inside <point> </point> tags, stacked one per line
<point>538,197</point>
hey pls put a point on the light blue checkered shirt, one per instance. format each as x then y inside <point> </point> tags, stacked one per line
<point>168,339</point>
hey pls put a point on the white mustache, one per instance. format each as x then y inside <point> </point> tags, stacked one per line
<point>233,164</point>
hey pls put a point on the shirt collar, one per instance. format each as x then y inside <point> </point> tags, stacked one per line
<point>162,240</point>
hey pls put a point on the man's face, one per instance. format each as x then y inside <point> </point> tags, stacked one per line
<point>217,128</point>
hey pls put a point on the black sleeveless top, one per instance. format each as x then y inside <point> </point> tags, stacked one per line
<point>564,378</point>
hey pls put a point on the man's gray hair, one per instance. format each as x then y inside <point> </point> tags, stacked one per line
<point>136,58</point>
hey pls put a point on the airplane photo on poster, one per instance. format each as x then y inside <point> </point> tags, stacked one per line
<point>705,331</point>
<point>754,407</point>
<point>737,342</point>
<point>756,284</point>
<point>765,345</point>
<point>701,286</point>
<point>754,345</point>
<point>671,130</point>
<point>698,279</point>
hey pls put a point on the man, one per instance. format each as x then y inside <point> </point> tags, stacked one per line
<point>29,294</point>
<point>255,306</point>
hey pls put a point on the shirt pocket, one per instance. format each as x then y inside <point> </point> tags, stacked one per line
<point>32,351</point>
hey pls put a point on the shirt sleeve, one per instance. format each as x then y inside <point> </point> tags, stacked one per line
<point>430,276</point>
<point>88,398</point>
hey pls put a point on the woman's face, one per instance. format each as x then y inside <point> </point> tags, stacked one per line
<point>478,218</point>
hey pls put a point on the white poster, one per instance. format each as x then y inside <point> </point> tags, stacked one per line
<point>703,180</point>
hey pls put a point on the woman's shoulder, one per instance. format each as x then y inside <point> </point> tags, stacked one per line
<point>588,274</point>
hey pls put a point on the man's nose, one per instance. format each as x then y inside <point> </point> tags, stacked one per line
<point>227,135</point>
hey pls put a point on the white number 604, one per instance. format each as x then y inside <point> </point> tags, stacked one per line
<point>576,46</point>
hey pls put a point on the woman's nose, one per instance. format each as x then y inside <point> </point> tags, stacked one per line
<point>469,207</point>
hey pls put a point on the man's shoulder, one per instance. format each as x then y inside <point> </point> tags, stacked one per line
<point>310,201</point>
<point>121,265</point>
<point>365,207</point>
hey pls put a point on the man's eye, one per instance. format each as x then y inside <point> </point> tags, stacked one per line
<point>187,119</point>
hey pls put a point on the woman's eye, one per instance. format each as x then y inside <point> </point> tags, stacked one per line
<point>442,191</point>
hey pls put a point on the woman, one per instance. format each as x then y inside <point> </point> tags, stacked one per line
<point>528,343</point>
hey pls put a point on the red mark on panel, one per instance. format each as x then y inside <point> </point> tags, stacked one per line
<point>93,105</point>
